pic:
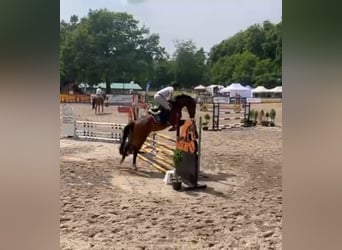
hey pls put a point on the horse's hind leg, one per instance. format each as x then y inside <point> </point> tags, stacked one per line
<point>123,158</point>
<point>124,152</point>
<point>135,154</point>
<point>127,149</point>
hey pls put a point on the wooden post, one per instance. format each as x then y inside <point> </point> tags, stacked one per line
<point>199,142</point>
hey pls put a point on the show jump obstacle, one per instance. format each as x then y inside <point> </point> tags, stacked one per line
<point>190,147</point>
<point>226,114</point>
<point>100,131</point>
<point>86,130</point>
<point>112,99</point>
<point>157,151</point>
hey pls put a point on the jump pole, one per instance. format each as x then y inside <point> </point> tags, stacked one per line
<point>152,163</point>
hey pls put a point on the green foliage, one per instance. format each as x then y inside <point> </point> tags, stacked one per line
<point>261,115</point>
<point>189,64</point>
<point>251,114</point>
<point>149,98</point>
<point>163,72</point>
<point>235,68</point>
<point>267,115</point>
<point>107,46</point>
<point>252,57</point>
<point>272,114</point>
<point>203,107</point>
<point>255,117</point>
<point>243,71</point>
<point>177,157</point>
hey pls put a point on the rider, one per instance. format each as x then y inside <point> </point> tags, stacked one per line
<point>99,92</point>
<point>162,97</point>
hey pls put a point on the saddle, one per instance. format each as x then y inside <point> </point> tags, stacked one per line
<point>161,115</point>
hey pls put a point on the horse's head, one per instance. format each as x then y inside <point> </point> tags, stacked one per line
<point>182,100</point>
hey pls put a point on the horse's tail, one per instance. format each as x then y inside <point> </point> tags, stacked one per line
<point>127,129</point>
<point>93,103</point>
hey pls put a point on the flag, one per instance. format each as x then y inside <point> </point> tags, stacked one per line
<point>148,85</point>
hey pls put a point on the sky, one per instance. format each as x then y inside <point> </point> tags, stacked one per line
<point>205,22</point>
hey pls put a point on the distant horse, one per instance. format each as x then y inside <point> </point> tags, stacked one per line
<point>137,131</point>
<point>98,102</point>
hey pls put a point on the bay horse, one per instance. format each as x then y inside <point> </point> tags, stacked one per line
<point>137,131</point>
<point>98,102</point>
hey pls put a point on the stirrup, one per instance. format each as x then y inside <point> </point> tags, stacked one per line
<point>173,128</point>
<point>154,112</point>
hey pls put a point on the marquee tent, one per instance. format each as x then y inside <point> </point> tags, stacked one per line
<point>278,89</point>
<point>237,88</point>
<point>200,87</point>
<point>211,88</point>
<point>260,89</point>
<point>120,86</point>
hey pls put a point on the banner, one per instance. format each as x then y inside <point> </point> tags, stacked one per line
<point>148,85</point>
<point>253,100</point>
<point>221,99</point>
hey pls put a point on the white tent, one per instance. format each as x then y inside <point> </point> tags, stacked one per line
<point>213,86</point>
<point>278,89</point>
<point>199,87</point>
<point>210,88</point>
<point>260,89</point>
<point>237,88</point>
<point>249,87</point>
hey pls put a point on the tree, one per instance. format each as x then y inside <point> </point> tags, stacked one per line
<point>190,64</point>
<point>244,68</point>
<point>73,20</point>
<point>222,71</point>
<point>265,73</point>
<point>108,46</point>
<point>254,40</point>
<point>235,68</point>
<point>68,69</point>
<point>228,47</point>
<point>163,73</point>
<point>252,56</point>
